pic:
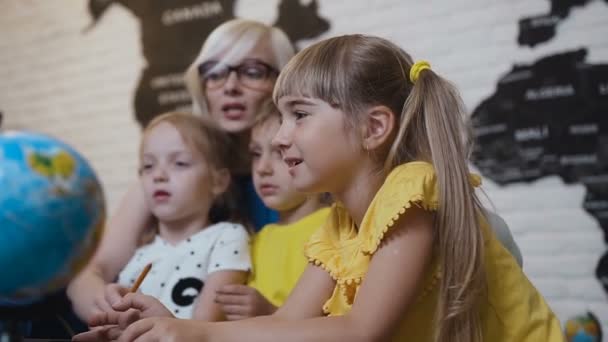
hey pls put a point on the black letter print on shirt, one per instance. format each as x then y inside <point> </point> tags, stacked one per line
<point>186,290</point>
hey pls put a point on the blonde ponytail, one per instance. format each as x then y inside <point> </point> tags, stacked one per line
<point>433,127</point>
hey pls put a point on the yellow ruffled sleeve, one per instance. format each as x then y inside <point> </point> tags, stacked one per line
<point>324,246</point>
<point>411,184</point>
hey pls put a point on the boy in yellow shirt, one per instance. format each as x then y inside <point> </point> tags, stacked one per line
<point>277,250</point>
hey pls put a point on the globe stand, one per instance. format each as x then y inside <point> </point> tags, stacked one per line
<point>14,318</point>
<point>9,332</point>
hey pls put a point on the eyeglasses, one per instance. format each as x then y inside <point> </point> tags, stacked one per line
<point>252,73</point>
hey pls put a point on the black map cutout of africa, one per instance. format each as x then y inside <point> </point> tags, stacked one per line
<point>172,33</point>
<point>542,122</point>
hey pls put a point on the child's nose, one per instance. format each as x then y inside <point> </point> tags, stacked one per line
<point>264,165</point>
<point>281,140</point>
<point>160,175</point>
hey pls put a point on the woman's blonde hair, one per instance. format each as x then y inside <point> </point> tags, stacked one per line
<point>236,38</point>
<point>355,72</point>
<point>215,147</point>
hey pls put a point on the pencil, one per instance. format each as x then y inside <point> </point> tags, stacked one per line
<point>141,277</point>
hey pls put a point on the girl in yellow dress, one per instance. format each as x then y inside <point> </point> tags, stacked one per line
<point>406,254</point>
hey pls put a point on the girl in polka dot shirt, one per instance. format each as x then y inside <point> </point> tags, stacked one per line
<point>184,174</point>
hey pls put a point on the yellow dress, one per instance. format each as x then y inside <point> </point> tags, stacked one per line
<point>277,255</point>
<point>513,311</point>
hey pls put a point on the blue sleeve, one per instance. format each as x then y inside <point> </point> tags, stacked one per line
<point>258,213</point>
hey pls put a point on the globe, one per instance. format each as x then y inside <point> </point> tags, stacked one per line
<point>583,328</point>
<point>52,211</point>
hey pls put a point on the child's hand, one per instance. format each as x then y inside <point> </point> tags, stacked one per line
<point>147,306</point>
<point>99,334</point>
<point>241,301</point>
<point>165,330</point>
<point>130,308</point>
<point>108,325</point>
<point>112,293</point>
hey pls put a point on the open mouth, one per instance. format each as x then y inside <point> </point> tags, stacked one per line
<point>233,111</point>
<point>291,162</point>
<point>161,194</point>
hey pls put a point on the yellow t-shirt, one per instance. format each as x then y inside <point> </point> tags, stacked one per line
<point>277,255</point>
<point>513,311</point>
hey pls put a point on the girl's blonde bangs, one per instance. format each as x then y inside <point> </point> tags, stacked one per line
<point>314,73</point>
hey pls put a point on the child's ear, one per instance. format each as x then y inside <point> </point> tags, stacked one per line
<point>221,181</point>
<point>377,127</point>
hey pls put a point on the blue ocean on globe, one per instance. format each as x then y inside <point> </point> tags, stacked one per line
<point>52,212</point>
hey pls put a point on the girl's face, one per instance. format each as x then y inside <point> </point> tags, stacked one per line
<point>178,183</point>
<point>234,94</point>
<point>320,151</point>
<point>271,177</point>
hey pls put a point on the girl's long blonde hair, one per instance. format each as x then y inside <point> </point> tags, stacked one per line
<point>355,72</point>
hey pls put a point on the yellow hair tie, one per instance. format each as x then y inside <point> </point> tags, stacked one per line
<point>417,68</point>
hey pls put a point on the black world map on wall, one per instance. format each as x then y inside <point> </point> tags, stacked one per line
<point>172,33</point>
<point>541,28</point>
<point>549,117</point>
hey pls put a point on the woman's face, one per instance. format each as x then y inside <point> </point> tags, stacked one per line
<point>234,94</point>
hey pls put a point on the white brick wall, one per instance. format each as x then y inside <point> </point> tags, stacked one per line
<point>56,79</point>
<point>76,86</point>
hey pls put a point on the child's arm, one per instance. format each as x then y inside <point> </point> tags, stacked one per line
<point>243,301</point>
<point>390,287</point>
<point>118,243</point>
<point>229,263</point>
<point>206,307</point>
